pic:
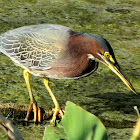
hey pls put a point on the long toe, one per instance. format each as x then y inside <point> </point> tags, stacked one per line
<point>36,110</point>
<point>39,114</point>
<point>56,111</point>
<point>30,108</point>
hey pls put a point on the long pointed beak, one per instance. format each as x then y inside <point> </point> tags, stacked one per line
<point>118,71</point>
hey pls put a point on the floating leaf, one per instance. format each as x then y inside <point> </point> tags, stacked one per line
<point>77,124</point>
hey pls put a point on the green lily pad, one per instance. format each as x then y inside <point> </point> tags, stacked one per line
<point>77,124</point>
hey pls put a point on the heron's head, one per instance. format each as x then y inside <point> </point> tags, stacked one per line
<point>103,53</point>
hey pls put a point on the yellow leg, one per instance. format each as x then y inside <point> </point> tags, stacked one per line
<point>33,104</point>
<point>57,108</point>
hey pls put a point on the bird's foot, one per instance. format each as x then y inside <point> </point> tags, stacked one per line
<point>36,110</point>
<point>56,111</point>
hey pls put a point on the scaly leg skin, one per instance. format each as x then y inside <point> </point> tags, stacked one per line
<point>57,110</point>
<point>33,104</point>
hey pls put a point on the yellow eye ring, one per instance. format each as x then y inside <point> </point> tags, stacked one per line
<point>108,56</point>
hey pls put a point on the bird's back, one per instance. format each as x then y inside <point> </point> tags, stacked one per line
<point>35,46</point>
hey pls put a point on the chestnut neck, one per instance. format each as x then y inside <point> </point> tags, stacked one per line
<point>80,44</point>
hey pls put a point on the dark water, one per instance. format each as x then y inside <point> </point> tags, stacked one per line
<point>102,93</point>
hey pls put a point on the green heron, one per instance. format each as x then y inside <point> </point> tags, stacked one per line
<point>55,51</point>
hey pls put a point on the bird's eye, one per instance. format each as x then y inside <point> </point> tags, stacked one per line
<point>107,55</point>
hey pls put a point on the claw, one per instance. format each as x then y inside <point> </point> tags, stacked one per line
<point>36,110</point>
<point>56,112</point>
